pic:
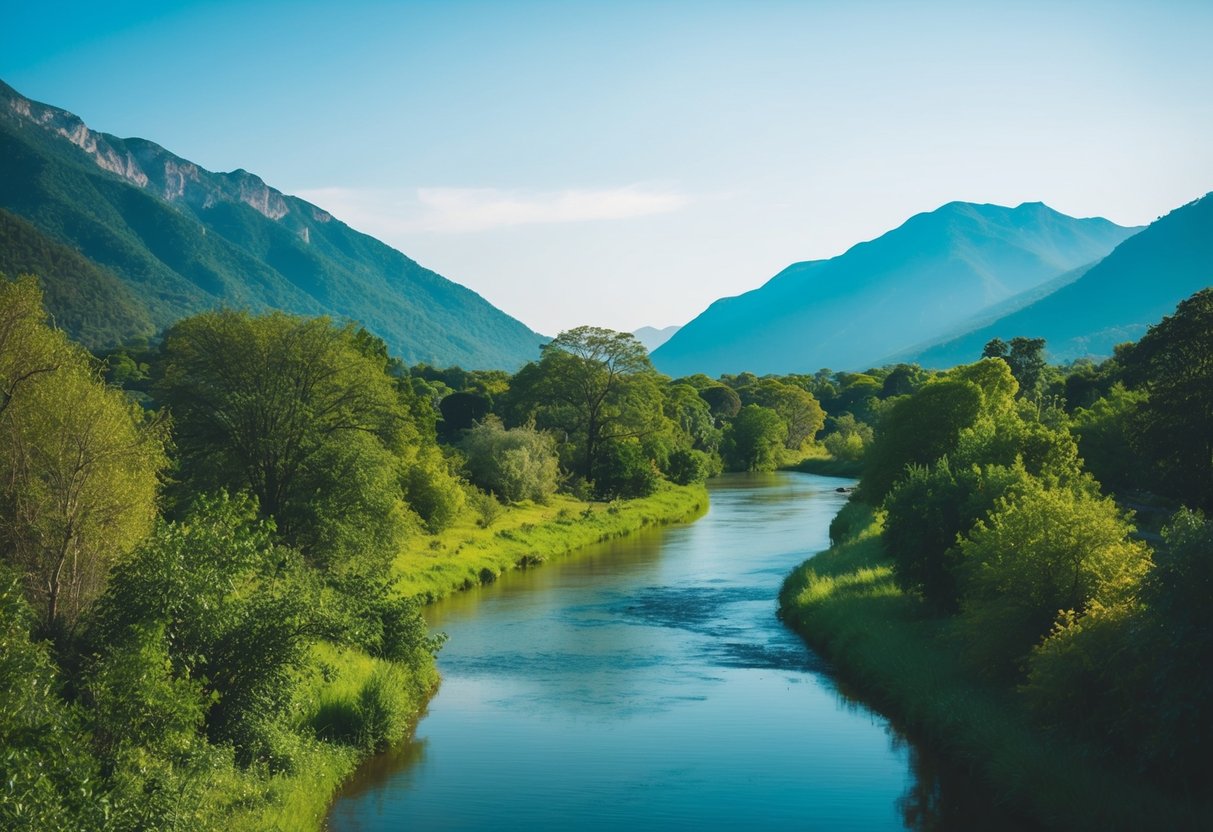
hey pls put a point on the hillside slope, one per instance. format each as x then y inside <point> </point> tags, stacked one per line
<point>1116,300</point>
<point>183,239</point>
<point>911,285</point>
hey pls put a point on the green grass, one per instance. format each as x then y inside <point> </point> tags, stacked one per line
<point>465,555</point>
<point>907,663</point>
<point>817,460</point>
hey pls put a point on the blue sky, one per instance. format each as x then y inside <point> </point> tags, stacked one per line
<point>625,164</point>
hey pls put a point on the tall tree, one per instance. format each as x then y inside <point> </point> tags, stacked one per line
<point>79,463</point>
<point>1173,363</point>
<point>598,386</point>
<point>291,408</point>
<point>1027,361</point>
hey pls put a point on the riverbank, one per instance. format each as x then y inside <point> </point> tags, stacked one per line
<point>817,460</point>
<point>348,693</point>
<point>845,603</point>
<point>526,535</point>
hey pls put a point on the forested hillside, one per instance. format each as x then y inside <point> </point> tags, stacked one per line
<point>182,239</point>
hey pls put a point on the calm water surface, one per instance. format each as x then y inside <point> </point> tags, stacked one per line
<point>647,684</point>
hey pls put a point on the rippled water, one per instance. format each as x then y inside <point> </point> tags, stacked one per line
<point>647,684</point>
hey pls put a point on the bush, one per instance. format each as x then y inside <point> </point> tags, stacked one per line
<point>1040,552</point>
<point>622,470</point>
<point>516,464</point>
<point>434,494</point>
<point>688,466</point>
<point>488,508</point>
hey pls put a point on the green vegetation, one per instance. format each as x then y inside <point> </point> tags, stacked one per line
<point>210,586</point>
<point>469,554</point>
<point>983,588</point>
<point>911,663</point>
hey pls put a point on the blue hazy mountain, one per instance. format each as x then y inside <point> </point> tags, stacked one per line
<point>912,285</point>
<point>1114,301</point>
<point>181,239</point>
<point>652,337</point>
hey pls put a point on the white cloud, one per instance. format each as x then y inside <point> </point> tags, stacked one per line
<point>383,211</point>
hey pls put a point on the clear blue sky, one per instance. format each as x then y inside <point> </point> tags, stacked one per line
<point>625,164</point>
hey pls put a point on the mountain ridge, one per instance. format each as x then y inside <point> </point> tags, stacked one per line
<point>1113,301</point>
<point>186,239</point>
<point>884,295</point>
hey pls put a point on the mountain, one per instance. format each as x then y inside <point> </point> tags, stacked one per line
<point>181,239</point>
<point>1115,300</point>
<point>652,337</point>
<point>907,287</point>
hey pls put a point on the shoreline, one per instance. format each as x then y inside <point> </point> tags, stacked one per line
<point>524,536</point>
<point>903,662</point>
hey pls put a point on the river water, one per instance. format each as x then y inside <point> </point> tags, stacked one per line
<point>646,684</point>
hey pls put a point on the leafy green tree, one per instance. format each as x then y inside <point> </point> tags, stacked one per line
<point>48,778</point>
<point>801,414</point>
<point>291,408</point>
<point>1042,551</point>
<point>690,416</point>
<point>753,440</point>
<point>918,430</point>
<point>1027,362</point>
<point>597,387</point>
<point>623,470</point>
<point>928,512</point>
<point>233,612</point>
<point>996,348</point>
<point>1105,433</point>
<point>1173,364</point>
<point>723,401</point>
<point>516,464</point>
<point>79,464</point>
<point>848,438</point>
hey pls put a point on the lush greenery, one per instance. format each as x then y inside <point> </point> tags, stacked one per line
<point>210,584</point>
<point>986,587</point>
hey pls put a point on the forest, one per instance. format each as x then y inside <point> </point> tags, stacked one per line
<point>203,610</point>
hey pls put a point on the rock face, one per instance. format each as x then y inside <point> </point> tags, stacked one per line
<point>183,239</point>
<point>911,285</point>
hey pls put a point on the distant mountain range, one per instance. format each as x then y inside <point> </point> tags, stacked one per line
<point>128,238</point>
<point>1113,301</point>
<point>652,338</point>
<point>940,272</point>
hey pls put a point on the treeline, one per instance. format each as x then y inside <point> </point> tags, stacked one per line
<point>1004,488</point>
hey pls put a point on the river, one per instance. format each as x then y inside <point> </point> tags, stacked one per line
<point>646,684</point>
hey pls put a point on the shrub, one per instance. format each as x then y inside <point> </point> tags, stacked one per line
<point>516,464</point>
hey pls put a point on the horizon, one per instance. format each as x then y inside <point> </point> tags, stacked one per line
<point>568,160</point>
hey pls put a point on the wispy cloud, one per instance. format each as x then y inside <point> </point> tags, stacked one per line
<point>463,210</point>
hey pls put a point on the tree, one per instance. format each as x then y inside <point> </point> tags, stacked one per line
<point>79,464</point>
<point>1041,551</point>
<point>516,464</point>
<point>462,410</point>
<point>1027,362</point>
<point>753,439</point>
<point>995,348</point>
<point>291,408</point>
<point>917,430</point>
<point>597,386</point>
<point>849,438</point>
<point>723,401</point>
<point>1173,363</point>
<point>802,415</point>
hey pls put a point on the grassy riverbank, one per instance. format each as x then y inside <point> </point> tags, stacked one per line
<point>525,535</point>
<point>348,695</point>
<point>845,603</point>
<point>817,460</point>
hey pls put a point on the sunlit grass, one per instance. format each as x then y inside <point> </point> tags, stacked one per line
<point>465,555</point>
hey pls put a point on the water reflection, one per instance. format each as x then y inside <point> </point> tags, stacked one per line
<point>648,684</point>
